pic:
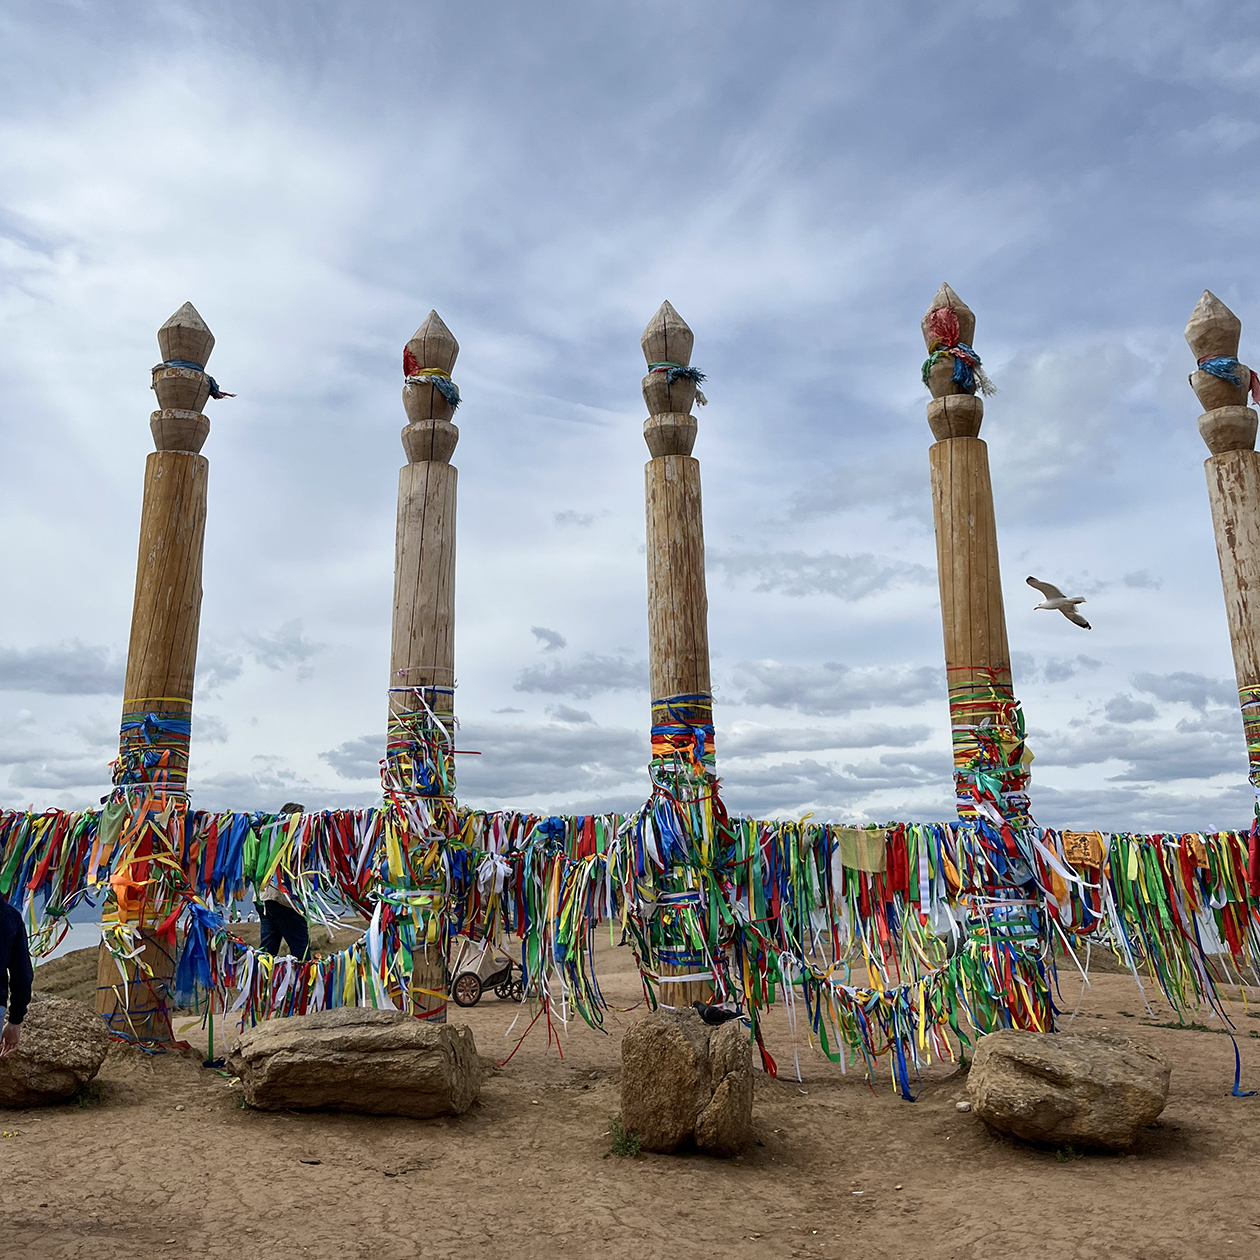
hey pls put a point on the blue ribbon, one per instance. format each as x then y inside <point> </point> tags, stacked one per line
<point>215,391</point>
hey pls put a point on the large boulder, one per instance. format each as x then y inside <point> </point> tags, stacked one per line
<point>358,1059</point>
<point>683,1081</point>
<point>62,1048</point>
<point>1087,1089</point>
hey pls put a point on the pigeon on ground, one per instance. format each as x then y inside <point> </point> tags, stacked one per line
<point>715,1015</point>
<point>1055,598</point>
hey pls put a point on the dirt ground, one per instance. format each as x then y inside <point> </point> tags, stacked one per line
<point>168,1163</point>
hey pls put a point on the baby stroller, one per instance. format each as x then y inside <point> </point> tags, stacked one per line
<point>477,966</point>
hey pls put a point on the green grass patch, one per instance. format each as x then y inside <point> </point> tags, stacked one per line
<point>625,1142</point>
<point>91,1094</point>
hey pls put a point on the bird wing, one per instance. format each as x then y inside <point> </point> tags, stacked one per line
<point>1051,592</point>
<point>1076,619</point>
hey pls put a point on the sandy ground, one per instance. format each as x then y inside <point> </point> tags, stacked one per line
<point>838,1170</point>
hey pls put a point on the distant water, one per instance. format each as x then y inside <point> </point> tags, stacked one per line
<point>80,936</point>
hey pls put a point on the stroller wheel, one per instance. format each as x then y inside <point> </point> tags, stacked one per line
<point>467,989</point>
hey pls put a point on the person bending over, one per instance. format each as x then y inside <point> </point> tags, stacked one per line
<point>279,916</point>
<point>15,977</point>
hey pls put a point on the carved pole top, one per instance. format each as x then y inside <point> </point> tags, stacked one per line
<point>429,395</point>
<point>1214,330</point>
<point>946,297</point>
<point>667,339</point>
<point>432,346</point>
<point>1221,383</point>
<point>670,388</point>
<point>185,336</point>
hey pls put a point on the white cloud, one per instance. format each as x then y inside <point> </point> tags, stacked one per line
<point>148,156</point>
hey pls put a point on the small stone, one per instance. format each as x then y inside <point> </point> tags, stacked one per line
<point>594,1076</point>
<point>179,1106</point>
<point>896,1187</point>
<point>962,1106</point>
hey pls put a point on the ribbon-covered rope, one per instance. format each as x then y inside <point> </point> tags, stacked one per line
<point>1227,368</point>
<point>677,372</point>
<point>215,391</point>
<point>414,374</point>
<point>943,329</point>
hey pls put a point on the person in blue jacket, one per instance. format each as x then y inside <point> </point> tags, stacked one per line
<point>16,975</point>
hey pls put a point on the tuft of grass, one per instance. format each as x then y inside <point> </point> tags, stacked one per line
<point>89,1095</point>
<point>1127,1014</point>
<point>1066,1154</point>
<point>1185,1026</point>
<point>625,1142</point>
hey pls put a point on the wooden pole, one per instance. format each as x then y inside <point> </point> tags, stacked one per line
<point>678,619</point>
<point>987,728</point>
<point>419,776</point>
<point>1228,426</point>
<point>151,772</point>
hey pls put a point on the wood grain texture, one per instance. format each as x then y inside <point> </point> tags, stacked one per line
<point>678,604</point>
<point>429,978</point>
<point>166,613</point>
<point>1234,492</point>
<point>972,612</point>
<point>140,1014</point>
<point>422,649</point>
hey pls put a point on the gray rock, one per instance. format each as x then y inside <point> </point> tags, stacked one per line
<point>1088,1089</point>
<point>724,1127</point>
<point>358,1059</point>
<point>62,1048</point>
<point>684,1081</point>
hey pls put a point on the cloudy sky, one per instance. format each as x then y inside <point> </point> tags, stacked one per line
<point>797,179</point>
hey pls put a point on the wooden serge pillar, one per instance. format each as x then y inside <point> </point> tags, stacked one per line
<point>1228,426</point>
<point>987,727</point>
<point>419,770</point>
<point>678,620</point>
<point>149,803</point>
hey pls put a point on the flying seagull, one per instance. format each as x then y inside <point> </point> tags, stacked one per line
<point>1055,598</point>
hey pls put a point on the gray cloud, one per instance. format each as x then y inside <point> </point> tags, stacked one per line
<point>1132,808</point>
<point>896,483</point>
<point>208,730</point>
<point>268,783</point>
<point>1150,756</point>
<point>72,669</point>
<point>583,763</point>
<point>1123,708</point>
<point>217,664</point>
<point>583,520</point>
<point>63,772</point>
<point>584,678</point>
<point>283,647</point>
<point>1142,580</point>
<point>1225,721</point>
<point>796,573</point>
<point>789,785</point>
<point>759,741</point>
<point>357,758</point>
<point>1196,690</point>
<point>835,689</point>
<point>1052,669</point>
<point>551,640</point>
<point>575,717</point>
